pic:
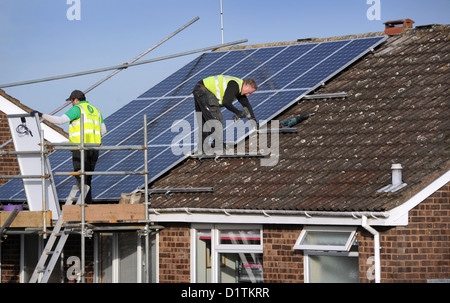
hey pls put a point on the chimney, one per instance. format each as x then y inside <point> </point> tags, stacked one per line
<point>395,27</point>
<point>397,182</point>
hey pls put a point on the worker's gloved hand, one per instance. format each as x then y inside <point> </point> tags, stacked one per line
<point>33,113</point>
<point>244,113</point>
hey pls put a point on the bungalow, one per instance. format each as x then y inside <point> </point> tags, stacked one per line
<point>360,192</point>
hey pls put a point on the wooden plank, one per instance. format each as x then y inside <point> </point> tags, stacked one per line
<point>26,219</point>
<point>105,213</point>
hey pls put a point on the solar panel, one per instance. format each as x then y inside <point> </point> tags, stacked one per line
<point>284,74</point>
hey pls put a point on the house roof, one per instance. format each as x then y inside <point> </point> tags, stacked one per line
<point>52,132</point>
<point>396,111</point>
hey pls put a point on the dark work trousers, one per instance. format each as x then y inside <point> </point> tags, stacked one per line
<point>90,159</point>
<point>206,103</point>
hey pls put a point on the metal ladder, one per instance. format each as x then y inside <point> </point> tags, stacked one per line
<point>43,271</point>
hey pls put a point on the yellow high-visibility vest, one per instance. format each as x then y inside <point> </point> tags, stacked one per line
<point>218,84</point>
<point>92,125</point>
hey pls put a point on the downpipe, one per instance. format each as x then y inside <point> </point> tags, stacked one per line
<point>376,240</point>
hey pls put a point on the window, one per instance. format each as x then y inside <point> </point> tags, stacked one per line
<point>227,254</point>
<point>240,267</point>
<point>326,238</point>
<point>331,267</point>
<point>331,254</point>
<point>120,257</point>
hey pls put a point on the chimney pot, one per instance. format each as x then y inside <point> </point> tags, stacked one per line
<point>397,183</point>
<point>395,27</point>
<point>396,174</point>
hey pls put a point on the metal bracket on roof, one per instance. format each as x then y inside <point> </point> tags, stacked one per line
<point>216,157</point>
<point>284,130</point>
<point>325,96</point>
<point>168,191</point>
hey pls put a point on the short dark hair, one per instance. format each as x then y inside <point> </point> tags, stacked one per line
<point>251,82</point>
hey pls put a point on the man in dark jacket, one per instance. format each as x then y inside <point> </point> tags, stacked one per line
<point>211,93</point>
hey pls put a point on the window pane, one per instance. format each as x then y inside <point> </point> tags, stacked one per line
<point>31,255</point>
<point>128,257</point>
<point>106,258</point>
<point>245,237</point>
<point>325,238</point>
<point>203,256</point>
<point>241,268</point>
<point>333,269</point>
<point>152,258</point>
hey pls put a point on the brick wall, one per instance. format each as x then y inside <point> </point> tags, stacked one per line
<point>10,250</point>
<point>8,163</point>
<point>365,251</point>
<point>414,253</point>
<point>417,252</point>
<point>73,248</point>
<point>174,253</point>
<point>281,263</point>
<point>10,259</point>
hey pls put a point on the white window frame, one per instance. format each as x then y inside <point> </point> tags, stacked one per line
<point>217,248</point>
<point>329,229</point>
<point>307,264</point>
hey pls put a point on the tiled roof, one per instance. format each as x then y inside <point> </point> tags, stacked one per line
<point>397,111</point>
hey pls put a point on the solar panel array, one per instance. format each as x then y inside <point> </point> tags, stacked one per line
<point>283,73</point>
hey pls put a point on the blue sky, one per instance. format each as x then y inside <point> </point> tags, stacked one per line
<point>38,40</point>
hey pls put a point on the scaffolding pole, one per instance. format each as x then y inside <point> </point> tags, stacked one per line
<point>44,192</point>
<point>130,62</point>
<point>119,69</point>
<point>83,204</point>
<point>83,173</point>
<point>123,66</point>
<point>147,225</point>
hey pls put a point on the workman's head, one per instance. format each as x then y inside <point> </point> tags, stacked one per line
<point>77,94</point>
<point>249,87</point>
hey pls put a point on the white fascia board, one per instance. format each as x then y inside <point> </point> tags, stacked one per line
<point>215,218</point>
<point>399,214</point>
<point>50,134</point>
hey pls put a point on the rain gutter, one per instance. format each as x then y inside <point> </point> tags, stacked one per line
<point>252,216</point>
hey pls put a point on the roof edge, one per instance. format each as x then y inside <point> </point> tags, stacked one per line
<point>303,41</point>
<point>402,209</point>
<point>250,216</point>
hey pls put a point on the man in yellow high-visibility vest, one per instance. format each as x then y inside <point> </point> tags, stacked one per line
<point>211,93</point>
<point>94,129</point>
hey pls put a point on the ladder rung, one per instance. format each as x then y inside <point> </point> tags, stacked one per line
<point>47,269</point>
